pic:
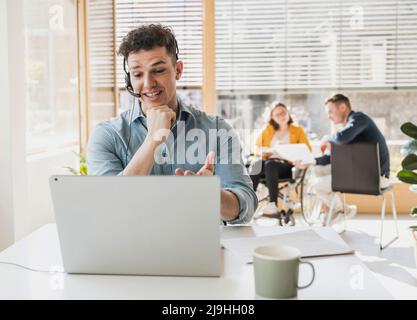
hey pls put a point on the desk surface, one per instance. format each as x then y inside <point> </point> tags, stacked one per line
<point>337,277</point>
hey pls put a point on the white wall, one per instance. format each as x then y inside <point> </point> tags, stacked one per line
<point>6,195</point>
<point>17,107</point>
<point>13,196</point>
<point>25,202</point>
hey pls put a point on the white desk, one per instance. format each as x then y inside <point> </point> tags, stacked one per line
<point>338,277</point>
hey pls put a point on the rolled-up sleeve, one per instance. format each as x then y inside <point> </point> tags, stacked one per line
<point>247,201</point>
<point>234,176</point>
<point>102,157</point>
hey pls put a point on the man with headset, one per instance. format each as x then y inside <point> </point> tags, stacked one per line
<point>150,139</point>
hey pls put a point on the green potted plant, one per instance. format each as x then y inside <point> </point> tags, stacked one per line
<point>409,166</point>
<point>82,170</point>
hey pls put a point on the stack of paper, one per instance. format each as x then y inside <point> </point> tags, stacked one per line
<point>307,241</point>
<point>294,152</point>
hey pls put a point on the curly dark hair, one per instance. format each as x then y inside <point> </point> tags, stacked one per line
<point>148,37</point>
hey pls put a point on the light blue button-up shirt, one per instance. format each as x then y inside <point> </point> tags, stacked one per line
<point>192,137</point>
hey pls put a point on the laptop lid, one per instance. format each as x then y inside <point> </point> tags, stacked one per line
<point>153,225</point>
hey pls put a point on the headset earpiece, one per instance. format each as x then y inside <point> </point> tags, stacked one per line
<point>127,80</point>
<point>128,83</point>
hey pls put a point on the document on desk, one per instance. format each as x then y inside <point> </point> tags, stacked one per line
<point>308,242</point>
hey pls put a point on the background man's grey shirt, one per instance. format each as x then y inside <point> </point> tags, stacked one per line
<point>192,137</point>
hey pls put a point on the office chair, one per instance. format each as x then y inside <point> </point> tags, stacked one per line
<point>355,169</point>
<point>285,216</point>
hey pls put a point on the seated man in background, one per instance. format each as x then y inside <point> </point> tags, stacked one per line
<point>356,127</point>
<point>162,135</point>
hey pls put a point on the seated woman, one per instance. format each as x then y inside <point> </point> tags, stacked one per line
<point>279,130</point>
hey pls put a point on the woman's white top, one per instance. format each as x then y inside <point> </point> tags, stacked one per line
<point>283,140</point>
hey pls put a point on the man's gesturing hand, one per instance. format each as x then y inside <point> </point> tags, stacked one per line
<point>302,165</point>
<point>206,170</point>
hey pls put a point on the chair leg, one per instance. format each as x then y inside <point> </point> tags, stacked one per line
<point>394,214</point>
<point>382,221</point>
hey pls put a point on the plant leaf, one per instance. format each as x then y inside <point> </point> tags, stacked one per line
<point>83,169</point>
<point>409,129</point>
<point>414,212</point>
<point>82,158</point>
<point>71,170</point>
<point>407,176</point>
<point>410,162</point>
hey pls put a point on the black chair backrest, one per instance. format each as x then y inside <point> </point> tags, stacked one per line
<point>355,168</point>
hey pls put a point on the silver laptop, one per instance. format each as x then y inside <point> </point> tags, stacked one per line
<point>154,225</point>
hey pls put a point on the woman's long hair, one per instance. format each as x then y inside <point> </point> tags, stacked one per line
<point>272,122</point>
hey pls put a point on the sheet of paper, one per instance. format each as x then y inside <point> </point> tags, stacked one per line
<point>308,242</point>
<point>293,152</point>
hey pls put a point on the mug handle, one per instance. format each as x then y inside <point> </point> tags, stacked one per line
<point>312,279</point>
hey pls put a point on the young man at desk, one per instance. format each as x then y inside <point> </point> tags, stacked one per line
<point>153,137</point>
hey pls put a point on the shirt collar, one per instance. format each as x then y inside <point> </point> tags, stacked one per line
<point>185,111</point>
<point>137,112</point>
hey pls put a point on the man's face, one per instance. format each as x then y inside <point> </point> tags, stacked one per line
<point>153,74</point>
<point>337,113</point>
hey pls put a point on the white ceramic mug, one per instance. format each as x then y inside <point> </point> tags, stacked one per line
<point>276,271</point>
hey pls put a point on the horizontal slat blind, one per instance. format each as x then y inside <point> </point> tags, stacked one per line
<point>249,44</point>
<point>269,45</point>
<point>406,73</point>
<point>100,43</point>
<point>185,18</point>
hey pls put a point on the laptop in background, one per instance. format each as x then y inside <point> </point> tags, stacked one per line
<point>153,225</point>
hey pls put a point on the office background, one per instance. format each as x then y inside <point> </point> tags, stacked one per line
<point>61,76</point>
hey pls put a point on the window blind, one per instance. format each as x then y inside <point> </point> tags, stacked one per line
<point>269,45</point>
<point>100,43</point>
<point>185,18</point>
